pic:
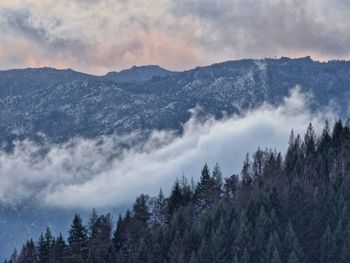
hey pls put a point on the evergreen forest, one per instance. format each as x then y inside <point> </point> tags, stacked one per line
<point>292,207</point>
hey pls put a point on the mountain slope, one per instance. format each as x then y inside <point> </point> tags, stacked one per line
<point>64,104</point>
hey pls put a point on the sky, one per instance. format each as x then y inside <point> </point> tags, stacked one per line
<point>97,36</point>
<point>71,173</point>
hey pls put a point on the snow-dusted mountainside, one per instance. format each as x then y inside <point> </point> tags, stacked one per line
<point>64,103</point>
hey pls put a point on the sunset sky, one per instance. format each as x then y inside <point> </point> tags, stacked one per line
<point>98,36</point>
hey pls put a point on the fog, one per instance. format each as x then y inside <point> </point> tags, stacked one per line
<point>98,173</point>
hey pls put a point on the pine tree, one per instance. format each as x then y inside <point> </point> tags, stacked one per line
<point>175,201</point>
<point>14,256</point>
<point>186,190</point>
<point>246,173</point>
<point>273,246</point>
<point>92,224</point>
<point>294,158</point>
<point>59,249</point>
<point>45,246</point>
<point>310,142</point>
<point>177,250</point>
<point>276,256</point>
<point>337,136</point>
<point>78,239</point>
<point>262,228</point>
<point>203,195</point>
<point>159,210</point>
<point>28,253</point>
<point>221,242</point>
<point>118,238</point>
<point>245,257</point>
<point>193,258</point>
<point>327,247</point>
<point>217,182</point>
<point>100,244</point>
<point>293,258</point>
<point>145,250</point>
<point>141,209</point>
<point>325,159</point>
<point>291,243</point>
<point>205,252</point>
<point>258,164</point>
<point>230,186</point>
<point>244,241</point>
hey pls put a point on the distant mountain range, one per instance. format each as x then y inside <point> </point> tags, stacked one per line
<point>64,103</point>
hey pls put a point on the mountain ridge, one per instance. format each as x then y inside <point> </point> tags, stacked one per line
<point>63,104</point>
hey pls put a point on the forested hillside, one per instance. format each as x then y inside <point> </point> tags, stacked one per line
<point>292,208</point>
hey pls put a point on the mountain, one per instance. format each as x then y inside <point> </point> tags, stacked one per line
<point>64,103</point>
<point>138,74</point>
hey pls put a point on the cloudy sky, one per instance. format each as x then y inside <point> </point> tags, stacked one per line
<point>97,36</point>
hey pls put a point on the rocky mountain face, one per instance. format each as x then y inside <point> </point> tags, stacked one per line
<point>64,103</point>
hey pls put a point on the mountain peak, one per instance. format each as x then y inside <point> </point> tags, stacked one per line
<point>138,74</point>
<point>145,67</point>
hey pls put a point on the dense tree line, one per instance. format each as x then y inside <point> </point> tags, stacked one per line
<point>291,209</point>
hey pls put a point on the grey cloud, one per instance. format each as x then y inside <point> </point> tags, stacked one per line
<point>19,21</point>
<point>267,28</point>
<point>22,24</point>
<point>98,36</point>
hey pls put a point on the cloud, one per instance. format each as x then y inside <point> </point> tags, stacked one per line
<point>97,173</point>
<point>103,35</point>
<point>95,36</point>
<point>270,28</point>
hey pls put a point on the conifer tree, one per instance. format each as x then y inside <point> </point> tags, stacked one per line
<point>293,258</point>
<point>217,182</point>
<point>246,173</point>
<point>230,186</point>
<point>262,227</point>
<point>193,258</point>
<point>78,239</point>
<point>45,246</point>
<point>273,246</point>
<point>159,212</point>
<point>118,239</point>
<point>28,253</point>
<point>291,243</point>
<point>327,247</point>
<point>92,224</point>
<point>175,200</point>
<point>204,192</point>
<point>243,242</point>
<point>257,165</point>
<point>141,209</point>
<point>276,256</point>
<point>59,249</point>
